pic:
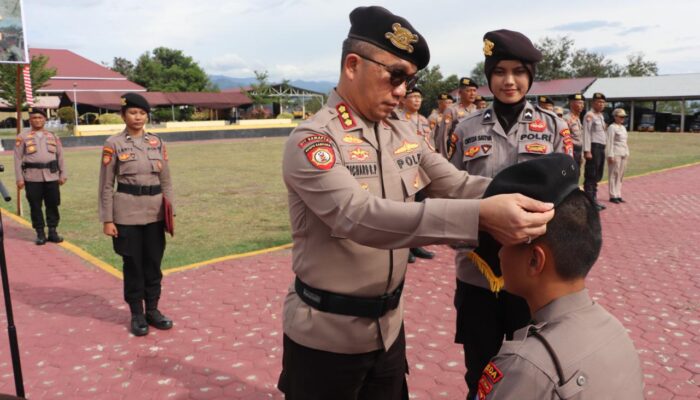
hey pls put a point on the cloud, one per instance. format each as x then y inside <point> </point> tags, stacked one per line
<point>611,49</point>
<point>583,26</point>
<point>679,49</point>
<point>636,29</point>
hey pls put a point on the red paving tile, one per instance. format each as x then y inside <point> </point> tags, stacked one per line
<point>226,344</point>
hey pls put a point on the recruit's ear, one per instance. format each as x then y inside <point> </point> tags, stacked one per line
<point>538,257</point>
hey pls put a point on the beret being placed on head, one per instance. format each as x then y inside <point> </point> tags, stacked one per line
<point>465,82</point>
<point>392,33</point>
<point>37,111</point>
<point>134,100</point>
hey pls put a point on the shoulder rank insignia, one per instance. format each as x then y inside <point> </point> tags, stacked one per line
<point>489,377</point>
<point>320,155</point>
<point>401,37</point>
<point>527,116</point>
<point>406,147</point>
<point>487,116</point>
<point>345,115</point>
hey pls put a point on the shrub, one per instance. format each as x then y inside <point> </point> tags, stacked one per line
<point>285,116</point>
<point>109,119</point>
<point>66,115</point>
<point>200,116</point>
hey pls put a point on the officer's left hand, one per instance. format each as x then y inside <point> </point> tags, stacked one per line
<point>611,159</point>
<point>62,181</point>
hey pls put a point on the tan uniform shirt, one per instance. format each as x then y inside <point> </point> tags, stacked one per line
<point>483,148</point>
<point>421,126</point>
<point>134,161</point>
<point>616,143</point>
<point>453,115</point>
<point>597,357</point>
<point>593,129</point>
<point>576,128</point>
<point>351,186</point>
<point>42,148</point>
<point>434,120</point>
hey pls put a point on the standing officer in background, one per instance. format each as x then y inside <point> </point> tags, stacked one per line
<point>39,168</point>
<point>510,131</point>
<point>351,172</point>
<point>444,100</point>
<point>134,216</point>
<point>545,103</point>
<point>594,138</point>
<point>480,102</point>
<point>573,119</point>
<point>455,114</point>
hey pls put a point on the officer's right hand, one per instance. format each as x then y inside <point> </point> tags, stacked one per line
<point>20,185</point>
<point>588,155</point>
<point>110,229</point>
<point>513,218</point>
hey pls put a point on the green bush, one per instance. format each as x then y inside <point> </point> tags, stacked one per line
<point>200,116</point>
<point>66,114</point>
<point>162,115</point>
<point>110,119</point>
<point>285,116</point>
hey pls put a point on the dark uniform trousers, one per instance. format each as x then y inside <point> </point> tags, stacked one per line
<point>594,170</point>
<point>47,193</point>
<point>141,248</point>
<point>481,330</point>
<point>310,374</point>
<point>578,150</point>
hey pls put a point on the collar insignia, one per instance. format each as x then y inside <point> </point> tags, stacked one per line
<point>487,115</point>
<point>527,115</point>
<point>346,118</point>
<point>401,37</point>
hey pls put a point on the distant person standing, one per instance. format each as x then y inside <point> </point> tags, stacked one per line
<point>594,138</point>
<point>617,152</point>
<point>455,114</point>
<point>480,102</point>
<point>134,215</point>
<point>573,119</point>
<point>444,100</point>
<point>546,103</point>
<point>39,168</point>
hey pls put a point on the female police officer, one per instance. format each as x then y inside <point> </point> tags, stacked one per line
<point>134,215</point>
<point>508,132</point>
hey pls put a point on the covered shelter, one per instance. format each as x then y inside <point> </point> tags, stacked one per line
<point>680,87</point>
<point>282,91</point>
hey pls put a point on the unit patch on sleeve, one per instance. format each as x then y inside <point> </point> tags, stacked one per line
<point>107,153</point>
<point>320,155</point>
<point>311,139</point>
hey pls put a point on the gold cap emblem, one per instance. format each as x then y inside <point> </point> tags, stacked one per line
<point>488,47</point>
<point>123,101</point>
<point>401,37</point>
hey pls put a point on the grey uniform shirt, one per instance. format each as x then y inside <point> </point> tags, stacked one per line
<point>593,129</point>
<point>597,357</point>
<point>483,148</point>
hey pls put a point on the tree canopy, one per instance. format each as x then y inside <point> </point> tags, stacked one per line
<point>431,83</point>
<point>39,73</point>
<point>165,70</point>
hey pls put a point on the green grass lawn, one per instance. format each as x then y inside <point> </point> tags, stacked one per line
<point>230,197</point>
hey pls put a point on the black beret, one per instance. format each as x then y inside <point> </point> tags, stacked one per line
<point>465,82</point>
<point>37,111</point>
<point>392,33</point>
<point>479,98</point>
<point>135,100</point>
<point>576,96</point>
<point>444,96</point>
<point>412,90</point>
<point>545,99</point>
<point>550,178</point>
<point>598,95</point>
<point>509,45</point>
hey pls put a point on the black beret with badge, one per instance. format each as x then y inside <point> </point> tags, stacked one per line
<point>576,96</point>
<point>466,82</point>
<point>392,33</point>
<point>549,178</point>
<point>445,96</point>
<point>545,100</point>
<point>598,96</point>
<point>412,90</point>
<point>33,110</point>
<point>134,100</point>
<point>509,45</point>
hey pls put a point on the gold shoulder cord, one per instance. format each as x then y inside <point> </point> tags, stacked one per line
<point>495,282</point>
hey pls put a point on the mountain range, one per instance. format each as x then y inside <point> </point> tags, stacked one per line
<point>226,82</point>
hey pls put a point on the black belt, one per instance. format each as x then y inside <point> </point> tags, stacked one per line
<point>366,307</point>
<point>138,190</point>
<point>36,165</point>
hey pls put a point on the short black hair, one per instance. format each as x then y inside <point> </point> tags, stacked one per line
<point>356,46</point>
<point>574,236</point>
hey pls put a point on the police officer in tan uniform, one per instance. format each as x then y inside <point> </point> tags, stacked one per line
<point>351,172</point>
<point>573,119</point>
<point>480,102</point>
<point>545,103</point>
<point>510,131</point>
<point>444,100</point>
<point>594,138</point>
<point>454,115</point>
<point>39,168</point>
<point>134,215</point>
<point>573,348</point>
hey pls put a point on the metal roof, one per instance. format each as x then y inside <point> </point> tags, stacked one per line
<point>662,87</point>
<point>112,100</point>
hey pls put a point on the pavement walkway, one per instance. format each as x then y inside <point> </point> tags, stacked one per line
<point>226,343</point>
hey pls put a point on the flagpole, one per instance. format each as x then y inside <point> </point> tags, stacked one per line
<point>18,101</point>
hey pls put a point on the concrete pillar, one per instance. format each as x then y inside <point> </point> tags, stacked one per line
<point>683,115</point>
<point>632,115</point>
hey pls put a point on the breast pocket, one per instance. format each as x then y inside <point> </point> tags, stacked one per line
<point>51,146</point>
<point>413,181</point>
<point>532,149</point>
<point>156,160</point>
<point>127,163</point>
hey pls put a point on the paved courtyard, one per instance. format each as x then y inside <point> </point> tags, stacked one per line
<point>226,343</point>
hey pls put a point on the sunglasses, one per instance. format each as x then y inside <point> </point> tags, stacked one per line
<point>396,76</point>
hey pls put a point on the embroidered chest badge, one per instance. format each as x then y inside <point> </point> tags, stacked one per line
<point>406,147</point>
<point>537,126</point>
<point>359,155</point>
<point>348,138</point>
<point>401,37</point>
<point>536,148</point>
<point>471,152</point>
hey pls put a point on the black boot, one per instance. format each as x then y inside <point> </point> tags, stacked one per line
<point>139,326</point>
<point>54,236</point>
<point>40,237</point>
<point>411,258</point>
<point>155,318</point>
<point>422,253</point>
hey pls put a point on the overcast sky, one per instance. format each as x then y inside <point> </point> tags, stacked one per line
<point>300,39</point>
